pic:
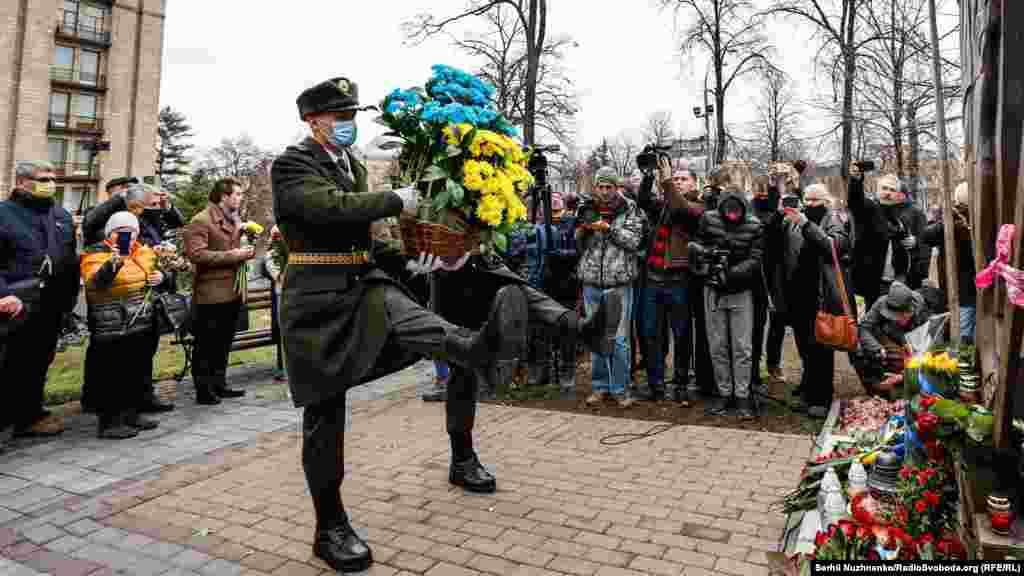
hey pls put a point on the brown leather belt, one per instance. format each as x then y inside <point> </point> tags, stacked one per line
<point>329,258</point>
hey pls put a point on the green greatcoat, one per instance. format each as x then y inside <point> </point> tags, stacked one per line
<point>334,326</point>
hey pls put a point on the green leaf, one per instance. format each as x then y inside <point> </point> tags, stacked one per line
<point>500,241</point>
<point>453,151</point>
<point>442,200</point>
<point>456,191</point>
<point>434,172</point>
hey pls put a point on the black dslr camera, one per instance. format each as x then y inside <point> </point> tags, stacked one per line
<point>647,159</point>
<point>865,165</point>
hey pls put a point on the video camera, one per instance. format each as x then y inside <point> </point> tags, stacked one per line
<point>710,263</point>
<point>647,159</point>
<point>865,165</point>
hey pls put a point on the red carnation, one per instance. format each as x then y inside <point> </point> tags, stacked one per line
<point>921,506</point>
<point>931,497</point>
<point>659,246</point>
<point>927,401</point>
<point>847,527</point>
<point>905,472</point>
<point>863,533</point>
<point>820,539</point>
<point>921,479</point>
<point>657,261</point>
<point>663,232</point>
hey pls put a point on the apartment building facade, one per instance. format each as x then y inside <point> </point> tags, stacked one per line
<point>80,87</point>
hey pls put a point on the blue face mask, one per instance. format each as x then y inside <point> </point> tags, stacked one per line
<point>344,133</point>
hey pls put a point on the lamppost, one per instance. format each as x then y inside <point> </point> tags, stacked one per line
<point>706,113</point>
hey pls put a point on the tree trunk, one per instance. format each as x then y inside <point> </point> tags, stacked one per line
<point>849,73</point>
<point>719,117</point>
<point>914,162</point>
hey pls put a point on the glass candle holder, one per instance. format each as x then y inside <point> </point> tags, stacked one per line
<point>1000,512</point>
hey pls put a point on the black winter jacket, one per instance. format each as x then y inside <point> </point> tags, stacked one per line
<point>817,277</point>
<point>875,226</point>
<point>744,241</point>
<point>30,230</point>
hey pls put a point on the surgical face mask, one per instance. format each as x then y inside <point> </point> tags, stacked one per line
<point>44,189</point>
<point>815,213</point>
<point>762,204</point>
<point>344,134</point>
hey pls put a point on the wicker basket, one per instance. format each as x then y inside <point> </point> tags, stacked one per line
<point>420,236</point>
<point>166,391</point>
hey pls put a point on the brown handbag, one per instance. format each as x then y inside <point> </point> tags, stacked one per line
<point>837,332</point>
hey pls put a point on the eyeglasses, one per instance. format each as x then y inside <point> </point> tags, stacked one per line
<point>49,179</point>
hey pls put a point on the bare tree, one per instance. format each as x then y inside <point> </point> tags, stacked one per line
<point>532,16</point>
<point>893,87</point>
<point>778,119</point>
<point>842,38</point>
<point>622,155</point>
<point>731,33</point>
<point>659,128</point>
<point>241,158</point>
<point>502,48</point>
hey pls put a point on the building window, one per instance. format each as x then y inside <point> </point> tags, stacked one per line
<point>72,198</point>
<point>57,153</point>
<point>59,109</point>
<point>64,63</point>
<point>83,158</point>
<point>86,20</point>
<point>87,111</point>
<point>88,67</point>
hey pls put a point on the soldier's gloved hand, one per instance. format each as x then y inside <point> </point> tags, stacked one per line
<point>428,263</point>
<point>410,198</point>
<point>909,243</point>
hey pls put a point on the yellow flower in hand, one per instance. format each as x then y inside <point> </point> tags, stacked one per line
<point>252,228</point>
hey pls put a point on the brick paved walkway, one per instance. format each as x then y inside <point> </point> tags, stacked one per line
<point>690,501</point>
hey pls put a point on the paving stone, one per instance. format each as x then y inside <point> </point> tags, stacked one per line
<point>83,527</point>
<point>50,562</point>
<point>67,544</point>
<point>7,515</point>
<point>164,550</point>
<point>12,568</point>
<point>190,559</point>
<point>221,567</point>
<point>43,534</point>
<point>31,498</point>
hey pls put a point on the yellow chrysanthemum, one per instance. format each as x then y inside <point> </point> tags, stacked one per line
<point>490,209</point>
<point>473,174</point>
<point>454,133</point>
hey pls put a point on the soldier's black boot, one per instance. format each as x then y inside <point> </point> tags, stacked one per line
<point>220,382</point>
<point>598,330</point>
<point>503,337</point>
<point>340,547</point>
<point>204,391</point>
<point>472,476</point>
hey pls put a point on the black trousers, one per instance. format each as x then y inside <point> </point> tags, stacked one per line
<point>816,380</point>
<point>122,390</point>
<point>757,341</point>
<point>776,335</point>
<point>415,332</point>
<point>214,329</point>
<point>698,334</point>
<point>29,353</point>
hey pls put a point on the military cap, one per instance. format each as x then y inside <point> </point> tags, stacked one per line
<point>121,181</point>
<point>334,95</point>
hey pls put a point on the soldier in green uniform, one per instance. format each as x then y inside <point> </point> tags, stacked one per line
<point>345,321</point>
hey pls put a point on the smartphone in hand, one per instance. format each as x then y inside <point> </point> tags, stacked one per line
<point>124,243</point>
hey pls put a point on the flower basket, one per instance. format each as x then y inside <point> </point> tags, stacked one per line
<point>166,391</point>
<point>419,236</point>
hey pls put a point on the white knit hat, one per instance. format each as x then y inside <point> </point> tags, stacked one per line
<point>121,220</point>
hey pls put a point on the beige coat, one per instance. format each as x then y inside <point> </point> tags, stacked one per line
<point>209,239</point>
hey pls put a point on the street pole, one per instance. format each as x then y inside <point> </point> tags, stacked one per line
<point>707,126</point>
<point>952,286</point>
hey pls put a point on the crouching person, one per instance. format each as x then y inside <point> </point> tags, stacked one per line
<point>118,273</point>
<point>883,337</point>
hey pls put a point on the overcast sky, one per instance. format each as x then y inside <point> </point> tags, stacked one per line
<point>236,66</point>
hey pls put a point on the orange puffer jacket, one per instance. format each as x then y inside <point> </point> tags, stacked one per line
<point>103,283</point>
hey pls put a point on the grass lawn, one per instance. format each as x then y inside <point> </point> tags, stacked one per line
<point>64,380</point>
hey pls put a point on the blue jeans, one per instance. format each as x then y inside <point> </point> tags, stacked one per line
<point>611,373</point>
<point>663,303</point>
<point>968,321</point>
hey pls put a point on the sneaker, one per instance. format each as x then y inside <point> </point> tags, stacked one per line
<point>744,409</point>
<point>596,398</point>
<point>717,407</point>
<point>625,401</point>
<point>438,391</point>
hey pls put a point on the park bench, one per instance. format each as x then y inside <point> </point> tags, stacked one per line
<point>245,338</point>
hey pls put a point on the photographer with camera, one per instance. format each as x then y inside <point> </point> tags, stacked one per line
<point>728,254</point>
<point>665,295</point>
<point>609,235</point>
<point>887,232</point>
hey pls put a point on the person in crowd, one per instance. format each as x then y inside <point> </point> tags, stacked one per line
<point>934,236</point>
<point>118,272</point>
<point>272,272</point>
<point>159,216</point>
<point>37,241</point>
<point>703,369</point>
<point>765,204</point>
<point>674,217</point>
<point>213,245</point>
<point>888,231</point>
<point>731,243</point>
<point>609,233</point>
<point>882,331</point>
<point>95,220</point>
<point>813,284</point>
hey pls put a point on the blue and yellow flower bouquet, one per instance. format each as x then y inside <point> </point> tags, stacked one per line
<point>464,157</point>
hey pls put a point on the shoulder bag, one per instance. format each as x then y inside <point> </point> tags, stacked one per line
<point>836,332</point>
<point>173,313</point>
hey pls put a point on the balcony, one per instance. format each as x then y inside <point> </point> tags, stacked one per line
<point>84,33</point>
<point>77,171</point>
<point>72,123</point>
<point>75,78</point>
